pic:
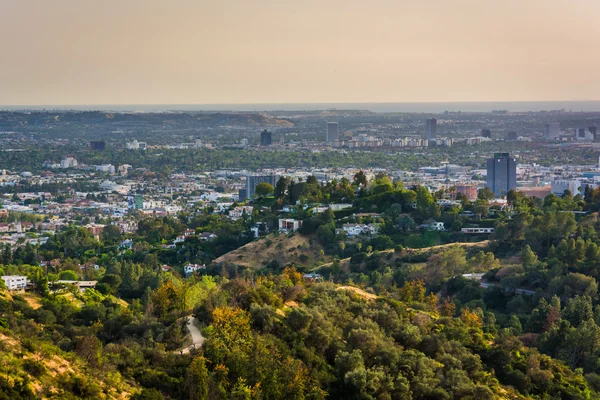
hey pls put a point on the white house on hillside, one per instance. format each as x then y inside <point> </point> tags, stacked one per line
<point>289,225</point>
<point>15,282</point>
<point>189,269</point>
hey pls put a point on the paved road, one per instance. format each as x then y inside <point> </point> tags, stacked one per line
<point>517,291</point>
<point>197,338</point>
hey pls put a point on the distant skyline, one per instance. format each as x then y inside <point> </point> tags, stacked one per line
<point>73,52</point>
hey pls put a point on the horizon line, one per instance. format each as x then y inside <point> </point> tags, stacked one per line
<point>303,103</point>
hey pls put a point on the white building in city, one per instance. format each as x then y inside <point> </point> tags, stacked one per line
<point>135,145</point>
<point>107,168</point>
<point>68,162</point>
<point>560,185</point>
<point>124,169</point>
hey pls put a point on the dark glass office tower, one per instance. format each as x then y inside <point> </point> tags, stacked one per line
<point>430,128</point>
<point>501,173</point>
<point>265,138</point>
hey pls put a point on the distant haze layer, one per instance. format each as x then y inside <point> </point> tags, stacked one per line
<point>267,51</point>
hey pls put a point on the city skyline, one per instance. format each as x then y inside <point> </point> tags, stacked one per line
<point>71,53</point>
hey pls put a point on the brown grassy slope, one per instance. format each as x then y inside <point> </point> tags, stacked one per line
<point>391,256</point>
<point>50,374</point>
<point>294,248</point>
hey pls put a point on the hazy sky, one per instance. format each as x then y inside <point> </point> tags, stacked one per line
<point>278,51</point>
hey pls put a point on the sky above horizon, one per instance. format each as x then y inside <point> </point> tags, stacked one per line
<point>281,51</point>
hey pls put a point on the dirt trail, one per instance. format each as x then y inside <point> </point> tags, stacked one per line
<point>197,338</point>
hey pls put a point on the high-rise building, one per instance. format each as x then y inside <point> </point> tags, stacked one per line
<point>579,133</point>
<point>486,133</point>
<point>266,138</point>
<point>242,194</point>
<point>501,173</point>
<point>333,132</point>
<point>244,142</point>
<point>135,202</point>
<point>512,135</point>
<point>430,128</point>
<point>98,145</point>
<point>253,180</point>
<point>594,132</point>
<point>552,130</point>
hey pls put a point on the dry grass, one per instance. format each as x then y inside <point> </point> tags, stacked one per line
<point>411,252</point>
<point>32,299</point>
<point>58,366</point>
<point>12,342</point>
<point>296,249</point>
<point>360,292</point>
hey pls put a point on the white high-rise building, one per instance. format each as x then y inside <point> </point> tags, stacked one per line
<point>552,130</point>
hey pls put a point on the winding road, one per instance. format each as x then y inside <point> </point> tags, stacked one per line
<point>197,338</point>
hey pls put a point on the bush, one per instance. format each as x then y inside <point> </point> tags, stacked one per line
<point>34,367</point>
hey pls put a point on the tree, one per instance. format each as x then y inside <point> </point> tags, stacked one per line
<point>511,197</point>
<point>581,342</point>
<point>406,223</point>
<point>90,349</point>
<point>7,255</point>
<point>483,261</point>
<point>528,257</point>
<point>68,275</point>
<point>485,194</point>
<point>447,264</point>
<point>197,379</point>
<point>231,330</point>
<point>360,179</point>
<point>112,282</point>
<point>167,299</point>
<point>281,187</point>
<point>578,310</point>
<point>264,189</point>
<point>111,234</point>
<point>481,208</point>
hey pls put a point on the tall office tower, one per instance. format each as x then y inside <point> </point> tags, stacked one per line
<point>486,133</point>
<point>333,132</point>
<point>552,130</point>
<point>430,128</point>
<point>265,138</point>
<point>242,194</point>
<point>97,145</point>
<point>501,173</point>
<point>579,133</point>
<point>253,180</point>
<point>594,131</point>
<point>512,135</point>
